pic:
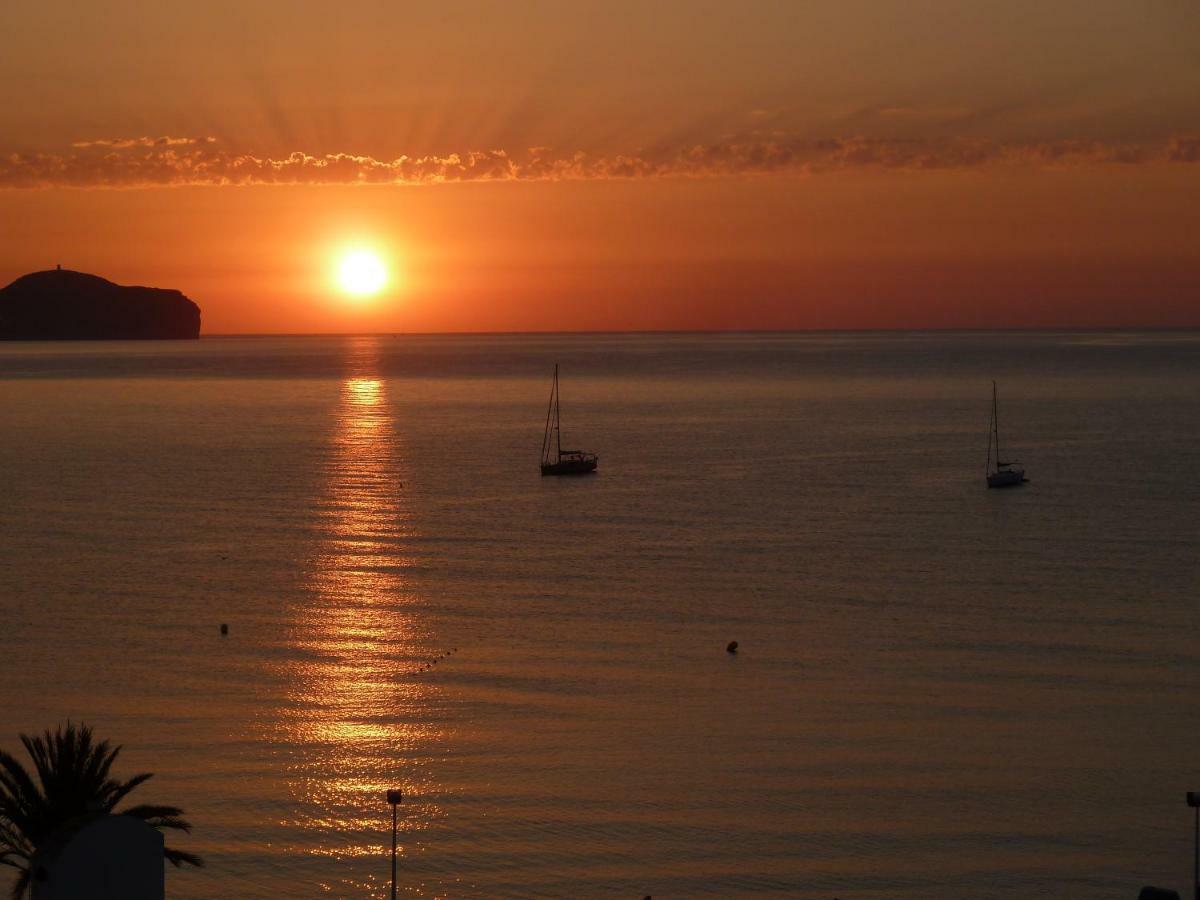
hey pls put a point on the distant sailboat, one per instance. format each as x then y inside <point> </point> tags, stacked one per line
<point>556,460</point>
<point>1005,474</point>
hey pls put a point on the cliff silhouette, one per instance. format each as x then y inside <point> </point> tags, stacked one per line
<point>61,305</point>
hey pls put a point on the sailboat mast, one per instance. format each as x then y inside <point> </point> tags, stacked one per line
<point>549,413</point>
<point>987,466</point>
<point>996,424</point>
<point>557,413</point>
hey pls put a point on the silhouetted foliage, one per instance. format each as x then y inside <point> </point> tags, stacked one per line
<point>70,786</point>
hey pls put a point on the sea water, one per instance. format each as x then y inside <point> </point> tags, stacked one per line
<point>940,691</point>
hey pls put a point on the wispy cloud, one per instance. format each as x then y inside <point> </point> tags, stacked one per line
<point>166,161</point>
<point>126,143</point>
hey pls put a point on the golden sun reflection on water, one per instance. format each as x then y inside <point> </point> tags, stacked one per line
<point>355,722</point>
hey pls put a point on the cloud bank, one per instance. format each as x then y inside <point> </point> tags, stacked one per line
<point>169,161</point>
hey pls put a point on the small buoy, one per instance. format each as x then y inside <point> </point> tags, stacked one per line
<point>224,628</point>
<point>731,647</point>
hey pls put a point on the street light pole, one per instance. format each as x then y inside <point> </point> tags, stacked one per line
<point>394,797</point>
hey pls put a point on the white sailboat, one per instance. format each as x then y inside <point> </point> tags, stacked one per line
<point>1005,474</point>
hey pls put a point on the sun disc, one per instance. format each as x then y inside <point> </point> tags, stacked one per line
<point>362,273</point>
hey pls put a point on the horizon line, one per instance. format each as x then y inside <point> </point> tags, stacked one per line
<point>1078,329</point>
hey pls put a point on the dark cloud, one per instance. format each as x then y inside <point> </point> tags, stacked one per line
<point>166,161</point>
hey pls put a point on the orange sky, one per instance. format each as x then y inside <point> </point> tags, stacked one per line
<point>633,166</point>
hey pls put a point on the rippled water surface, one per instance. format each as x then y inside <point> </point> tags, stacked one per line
<point>942,691</point>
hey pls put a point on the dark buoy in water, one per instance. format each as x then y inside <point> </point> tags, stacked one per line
<point>224,628</point>
<point>731,647</point>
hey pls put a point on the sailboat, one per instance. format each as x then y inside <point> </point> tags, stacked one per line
<point>556,460</point>
<point>1005,474</point>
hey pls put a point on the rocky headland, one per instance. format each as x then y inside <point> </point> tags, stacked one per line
<point>61,305</point>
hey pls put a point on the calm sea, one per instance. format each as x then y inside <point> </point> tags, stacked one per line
<point>942,691</point>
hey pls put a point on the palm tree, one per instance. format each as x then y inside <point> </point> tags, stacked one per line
<point>73,787</point>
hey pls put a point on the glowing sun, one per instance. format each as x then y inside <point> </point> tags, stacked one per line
<point>361,272</point>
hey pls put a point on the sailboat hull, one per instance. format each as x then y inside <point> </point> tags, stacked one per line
<point>569,467</point>
<point>1006,478</point>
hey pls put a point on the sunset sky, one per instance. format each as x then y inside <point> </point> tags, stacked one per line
<point>661,164</point>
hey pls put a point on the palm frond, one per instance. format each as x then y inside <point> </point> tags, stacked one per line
<point>13,841</point>
<point>169,822</point>
<point>18,793</point>
<point>178,857</point>
<point>148,811</point>
<point>71,784</point>
<point>100,761</point>
<point>121,791</point>
<point>21,885</point>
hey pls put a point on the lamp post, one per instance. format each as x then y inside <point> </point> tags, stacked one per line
<point>394,797</point>
<point>1193,800</point>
